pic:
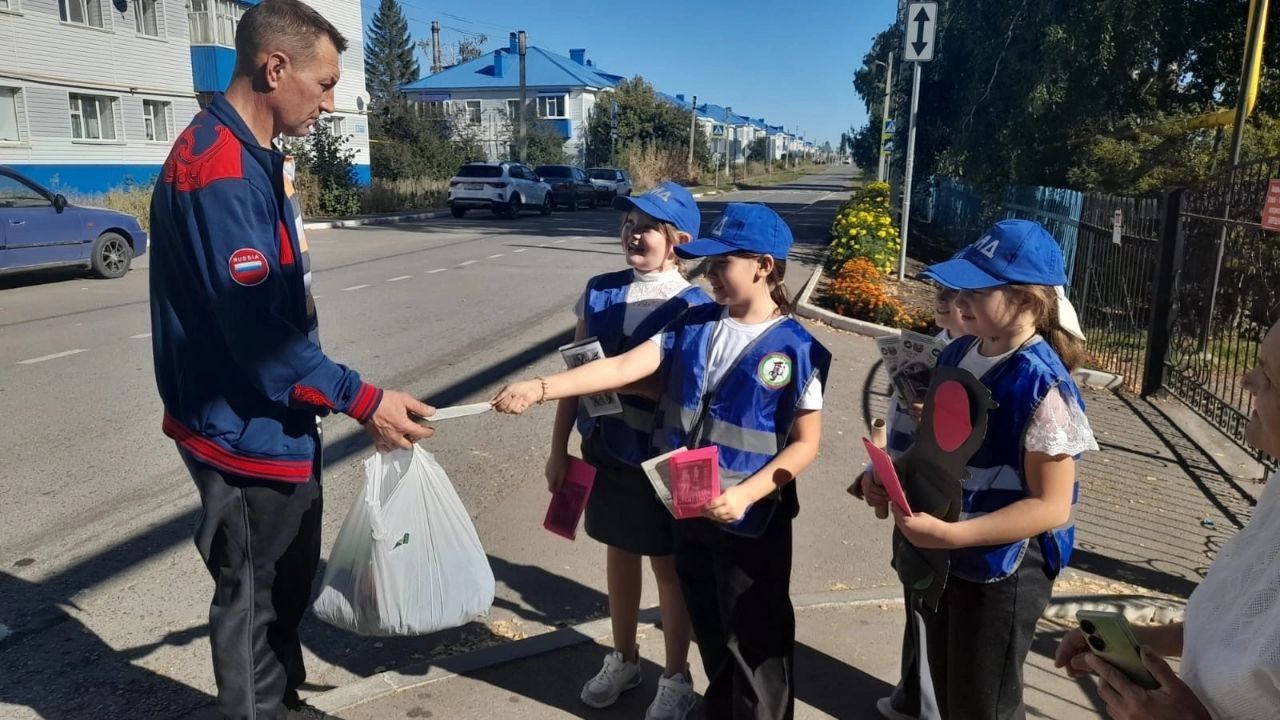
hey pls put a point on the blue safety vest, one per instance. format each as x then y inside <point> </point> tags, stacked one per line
<point>749,413</point>
<point>997,476</point>
<point>624,438</point>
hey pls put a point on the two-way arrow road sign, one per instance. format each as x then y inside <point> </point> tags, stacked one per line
<point>922,23</point>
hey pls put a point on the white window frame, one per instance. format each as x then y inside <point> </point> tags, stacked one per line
<point>545,102</point>
<point>157,14</point>
<point>11,6</point>
<point>102,105</point>
<point>15,93</point>
<point>473,109</point>
<point>338,124</point>
<point>513,108</point>
<point>87,10</point>
<point>213,22</point>
<point>157,120</point>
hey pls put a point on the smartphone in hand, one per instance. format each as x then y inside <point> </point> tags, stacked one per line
<point>1111,639</point>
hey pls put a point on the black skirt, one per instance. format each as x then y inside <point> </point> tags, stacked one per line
<point>624,512</point>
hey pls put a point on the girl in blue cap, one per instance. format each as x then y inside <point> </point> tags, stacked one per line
<point>1016,531</point>
<point>623,309</point>
<point>744,376</point>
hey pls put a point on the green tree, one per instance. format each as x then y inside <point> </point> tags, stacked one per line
<point>644,121</point>
<point>409,141</point>
<point>758,149</point>
<point>326,159</point>
<point>389,60</point>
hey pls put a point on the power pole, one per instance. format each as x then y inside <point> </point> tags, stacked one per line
<point>693,131</point>
<point>522,44</point>
<point>728,142</point>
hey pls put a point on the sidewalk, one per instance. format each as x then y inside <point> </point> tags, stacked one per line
<point>846,658</point>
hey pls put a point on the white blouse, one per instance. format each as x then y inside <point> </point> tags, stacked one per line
<point>1231,639</point>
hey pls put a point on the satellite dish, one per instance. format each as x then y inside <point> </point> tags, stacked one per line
<point>121,5</point>
<point>360,103</point>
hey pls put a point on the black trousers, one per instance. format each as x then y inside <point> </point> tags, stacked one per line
<point>914,692</point>
<point>978,640</point>
<point>260,541</point>
<point>737,590</point>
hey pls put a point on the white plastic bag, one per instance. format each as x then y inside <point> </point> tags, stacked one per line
<point>407,560</point>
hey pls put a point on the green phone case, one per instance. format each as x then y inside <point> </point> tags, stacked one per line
<point>1110,638</point>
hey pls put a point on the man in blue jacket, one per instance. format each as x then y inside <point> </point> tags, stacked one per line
<point>237,354</point>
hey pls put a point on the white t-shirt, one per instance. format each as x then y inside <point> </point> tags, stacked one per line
<point>1231,639</point>
<point>646,293</point>
<point>1059,426</point>
<point>729,339</point>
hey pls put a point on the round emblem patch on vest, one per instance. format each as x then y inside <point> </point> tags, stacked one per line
<point>774,370</point>
<point>248,267</point>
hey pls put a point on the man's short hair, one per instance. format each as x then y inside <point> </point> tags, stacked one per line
<point>288,26</point>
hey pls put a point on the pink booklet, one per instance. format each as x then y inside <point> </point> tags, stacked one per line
<point>887,474</point>
<point>567,504</point>
<point>695,480</point>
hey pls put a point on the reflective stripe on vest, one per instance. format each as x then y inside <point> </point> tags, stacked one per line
<point>747,416</point>
<point>625,437</point>
<point>996,469</point>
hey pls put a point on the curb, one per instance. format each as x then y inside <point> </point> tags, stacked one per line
<point>377,220</point>
<point>1139,608</point>
<point>805,309</point>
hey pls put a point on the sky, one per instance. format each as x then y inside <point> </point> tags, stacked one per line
<point>790,63</point>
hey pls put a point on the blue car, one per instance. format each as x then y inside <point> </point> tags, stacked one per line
<point>40,229</point>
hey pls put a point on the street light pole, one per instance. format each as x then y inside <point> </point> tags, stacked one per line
<point>884,117</point>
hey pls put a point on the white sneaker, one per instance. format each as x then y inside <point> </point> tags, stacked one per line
<point>674,700</point>
<point>885,706</point>
<point>617,676</point>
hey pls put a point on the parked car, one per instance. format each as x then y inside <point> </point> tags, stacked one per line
<point>570,185</point>
<point>506,188</point>
<point>40,229</point>
<point>610,182</point>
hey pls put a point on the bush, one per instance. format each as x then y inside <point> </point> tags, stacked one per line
<point>410,194</point>
<point>650,165</point>
<point>859,290</point>
<point>326,177</point>
<point>864,229</point>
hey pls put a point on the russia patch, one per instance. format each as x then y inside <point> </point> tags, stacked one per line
<point>248,267</point>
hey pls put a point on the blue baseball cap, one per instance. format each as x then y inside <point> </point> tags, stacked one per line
<point>1011,252</point>
<point>668,202</point>
<point>744,227</point>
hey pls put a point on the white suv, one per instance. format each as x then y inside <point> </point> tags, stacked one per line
<point>610,182</point>
<point>505,188</point>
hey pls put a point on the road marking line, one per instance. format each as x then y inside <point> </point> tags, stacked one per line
<point>495,257</point>
<point>466,263</point>
<point>354,287</point>
<point>520,250</point>
<point>543,245</point>
<point>398,279</point>
<point>140,336</point>
<point>557,242</point>
<point>433,272</point>
<point>54,356</point>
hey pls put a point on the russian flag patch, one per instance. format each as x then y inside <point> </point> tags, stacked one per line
<point>248,267</point>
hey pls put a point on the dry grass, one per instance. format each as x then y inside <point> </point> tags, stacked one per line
<point>649,166</point>
<point>135,201</point>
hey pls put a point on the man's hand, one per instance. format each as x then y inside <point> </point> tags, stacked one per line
<point>393,426</point>
<point>1072,654</point>
<point>1127,701</point>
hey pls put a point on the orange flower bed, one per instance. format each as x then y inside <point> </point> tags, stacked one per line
<point>860,290</point>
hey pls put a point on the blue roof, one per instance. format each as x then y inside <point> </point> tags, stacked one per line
<point>722,115</point>
<point>542,69</point>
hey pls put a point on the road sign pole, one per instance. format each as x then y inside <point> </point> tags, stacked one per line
<point>906,178</point>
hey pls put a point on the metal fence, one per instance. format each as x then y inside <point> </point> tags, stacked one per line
<point>1223,285</point>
